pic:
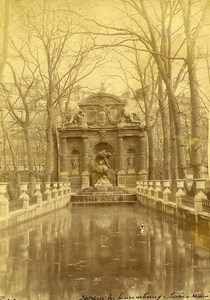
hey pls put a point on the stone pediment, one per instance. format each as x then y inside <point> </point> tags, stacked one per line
<point>102,98</point>
<point>102,111</point>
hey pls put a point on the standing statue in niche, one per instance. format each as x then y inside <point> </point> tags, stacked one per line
<point>131,163</point>
<point>75,163</point>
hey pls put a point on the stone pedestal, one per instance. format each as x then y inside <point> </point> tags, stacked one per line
<point>75,172</point>
<point>131,180</point>
<point>76,182</point>
<point>121,179</point>
<point>103,186</point>
<point>85,179</point>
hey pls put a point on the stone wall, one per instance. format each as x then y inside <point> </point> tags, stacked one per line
<point>159,196</point>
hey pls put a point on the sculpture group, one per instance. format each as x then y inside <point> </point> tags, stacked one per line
<point>101,169</point>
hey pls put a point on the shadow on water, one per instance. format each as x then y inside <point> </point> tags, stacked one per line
<point>101,250</point>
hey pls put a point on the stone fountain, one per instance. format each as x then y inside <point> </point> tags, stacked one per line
<point>102,190</point>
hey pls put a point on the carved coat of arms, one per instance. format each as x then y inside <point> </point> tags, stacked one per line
<point>102,116</point>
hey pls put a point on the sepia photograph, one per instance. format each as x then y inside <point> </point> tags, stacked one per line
<point>104,149</point>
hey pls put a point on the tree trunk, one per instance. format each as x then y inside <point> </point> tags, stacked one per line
<point>3,56</point>
<point>14,161</point>
<point>30,161</point>
<point>151,163</point>
<point>180,147</point>
<point>181,159</point>
<point>8,138</point>
<point>56,154</point>
<point>173,144</point>
<point>195,115</point>
<point>166,134</point>
<point>165,72</point>
<point>191,36</point>
<point>49,150</point>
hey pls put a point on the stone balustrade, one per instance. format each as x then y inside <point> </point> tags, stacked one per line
<point>166,191</point>
<point>200,196</point>
<point>47,197</point>
<point>180,191</point>
<point>160,194</point>
<point>157,190</point>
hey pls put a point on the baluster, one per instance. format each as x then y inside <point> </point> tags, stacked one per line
<point>141,187</point>
<point>38,193</point>
<point>47,191</point>
<point>60,189</point>
<point>150,189</point>
<point>24,195</point>
<point>180,192</point>
<point>157,190</point>
<point>4,202</point>
<point>167,191</point>
<point>200,196</point>
<point>145,188</point>
<point>55,191</point>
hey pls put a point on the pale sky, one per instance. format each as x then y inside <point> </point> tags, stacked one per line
<point>109,12</point>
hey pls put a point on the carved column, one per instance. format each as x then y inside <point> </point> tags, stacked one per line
<point>143,157</point>
<point>85,173</point>
<point>85,153</point>
<point>121,172</point>
<point>121,156</point>
<point>63,156</point>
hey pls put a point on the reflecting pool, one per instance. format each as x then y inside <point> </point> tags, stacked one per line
<point>103,253</point>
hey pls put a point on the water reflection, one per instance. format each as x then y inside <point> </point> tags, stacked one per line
<point>102,250</point>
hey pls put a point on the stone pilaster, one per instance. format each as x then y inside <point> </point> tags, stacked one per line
<point>85,173</point>
<point>85,153</point>
<point>63,156</point>
<point>143,158</point>
<point>121,155</point>
<point>121,171</point>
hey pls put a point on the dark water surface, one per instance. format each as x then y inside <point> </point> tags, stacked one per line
<point>83,252</point>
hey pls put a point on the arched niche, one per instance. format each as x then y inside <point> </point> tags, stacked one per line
<point>75,161</point>
<point>131,161</point>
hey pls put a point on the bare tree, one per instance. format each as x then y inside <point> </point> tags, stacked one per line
<point>153,35</point>
<point>148,84</point>
<point>63,57</point>
<point>11,146</point>
<point>5,11</point>
<point>192,33</point>
<point>19,110</point>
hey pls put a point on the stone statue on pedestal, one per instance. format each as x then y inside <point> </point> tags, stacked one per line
<point>75,163</point>
<point>101,169</point>
<point>131,163</point>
